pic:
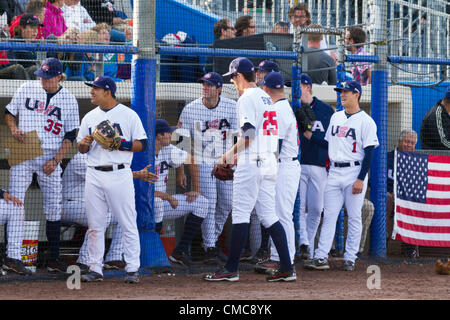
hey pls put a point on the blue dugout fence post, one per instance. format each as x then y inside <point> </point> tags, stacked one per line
<point>341,77</point>
<point>143,101</point>
<point>379,113</point>
<point>296,93</point>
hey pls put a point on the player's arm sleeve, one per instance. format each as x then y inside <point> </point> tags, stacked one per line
<point>84,130</point>
<point>71,135</point>
<point>367,161</point>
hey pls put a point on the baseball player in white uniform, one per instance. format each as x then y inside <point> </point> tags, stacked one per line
<point>211,123</point>
<point>109,180</point>
<point>11,213</point>
<point>74,210</point>
<point>288,167</point>
<point>351,137</point>
<point>256,173</point>
<point>191,204</point>
<point>51,110</point>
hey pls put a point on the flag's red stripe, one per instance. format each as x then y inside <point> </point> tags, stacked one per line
<point>420,242</point>
<point>438,201</point>
<point>439,173</point>
<point>423,214</point>
<point>424,229</point>
<point>438,187</point>
<point>440,159</point>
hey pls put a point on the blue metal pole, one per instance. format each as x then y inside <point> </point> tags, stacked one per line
<point>339,237</point>
<point>143,101</point>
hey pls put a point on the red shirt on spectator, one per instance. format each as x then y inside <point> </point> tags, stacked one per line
<point>3,58</point>
<point>16,22</point>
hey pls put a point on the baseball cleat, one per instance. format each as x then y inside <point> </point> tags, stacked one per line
<point>114,264</point>
<point>132,277</point>
<point>287,276</point>
<point>267,267</point>
<point>304,252</point>
<point>84,268</point>
<point>211,256</point>
<point>16,266</point>
<point>348,265</point>
<point>57,266</point>
<point>262,255</point>
<point>180,258</point>
<point>317,264</point>
<point>222,275</point>
<point>92,277</point>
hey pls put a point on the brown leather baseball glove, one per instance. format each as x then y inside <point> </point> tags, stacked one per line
<point>106,135</point>
<point>222,172</point>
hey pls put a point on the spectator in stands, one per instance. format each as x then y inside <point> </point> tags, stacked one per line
<point>223,29</point>
<point>124,68</point>
<point>110,59</point>
<point>245,26</point>
<point>83,71</point>
<point>76,16</point>
<point>355,37</point>
<point>11,71</point>
<point>319,60</point>
<point>299,16</point>
<point>435,129</point>
<point>36,8</point>
<point>18,7</point>
<point>28,31</point>
<point>406,142</point>
<point>54,23</point>
<point>281,27</point>
<point>123,9</point>
<point>103,11</point>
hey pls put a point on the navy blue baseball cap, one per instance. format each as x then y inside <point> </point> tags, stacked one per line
<point>162,126</point>
<point>105,83</point>
<point>447,94</point>
<point>274,80</point>
<point>213,78</point>
<point>352,86</point>
<point>240,65</point>
<point>50,68</point>
<point>29,19</point>
<point>305,79</point>
<point>268,66</point>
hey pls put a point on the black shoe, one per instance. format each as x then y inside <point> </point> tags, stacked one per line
<point>16,266</point>
<point>304,252</point>
<point>84,268</point>
<point>267,267</point>
<point>261,255</point>
<point>132,277</point>
<point>211,256</point>
<point>348,265</point>
<point>222,275</point>
<point>180,258</point>
<point>57,266</point>
<point>412,251</point>
<point>114,264</point>
<point>246,255</point>
<point>92,277</point>
<point>287,276</point>
<point>317,264</point>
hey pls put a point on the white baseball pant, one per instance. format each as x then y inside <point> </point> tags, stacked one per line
<point>111,191</point>
<point>286,191</point>
<point>14,217</point>
<point>21,176</point>
<point>75,211</point>
<point>313,180</point>
<point>219,194</point>
<point>337,192</point>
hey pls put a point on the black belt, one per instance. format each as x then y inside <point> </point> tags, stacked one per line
<point>293,159</point>
<point>345,164</point>
<point>109,168</point>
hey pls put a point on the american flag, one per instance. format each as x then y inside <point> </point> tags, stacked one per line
<point>422,199</point>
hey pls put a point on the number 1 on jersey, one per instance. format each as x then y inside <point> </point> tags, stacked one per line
<point>354,147</point>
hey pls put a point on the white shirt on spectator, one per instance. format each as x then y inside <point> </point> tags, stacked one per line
<point>75,16</point>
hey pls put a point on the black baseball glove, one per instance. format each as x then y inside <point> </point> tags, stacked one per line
<point>305,117</point>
